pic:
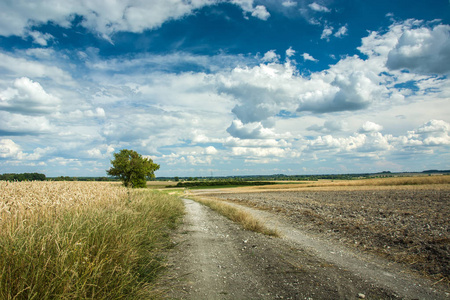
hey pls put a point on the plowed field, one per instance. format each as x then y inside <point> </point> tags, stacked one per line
<point>409,225</point>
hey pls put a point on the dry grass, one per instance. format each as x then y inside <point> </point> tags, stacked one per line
<point>82,240</point>
<point>161,184</point>
<point>236,215</point>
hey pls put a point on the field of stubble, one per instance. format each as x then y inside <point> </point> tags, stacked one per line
<point>404,222</point>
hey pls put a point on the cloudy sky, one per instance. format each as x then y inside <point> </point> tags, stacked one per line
<point>225,87</point>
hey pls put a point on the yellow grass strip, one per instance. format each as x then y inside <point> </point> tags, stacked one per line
<point>246,220</point>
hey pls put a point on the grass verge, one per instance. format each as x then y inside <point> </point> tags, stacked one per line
<point>100,246</point>
<point>236,215</point>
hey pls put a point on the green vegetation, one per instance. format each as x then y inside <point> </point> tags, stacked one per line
<point>132,169</point>
<point>23,177</point>
<point>106,249</point>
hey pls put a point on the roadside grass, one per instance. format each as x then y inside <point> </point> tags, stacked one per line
<point>236,215</point>
<point>74,240</point>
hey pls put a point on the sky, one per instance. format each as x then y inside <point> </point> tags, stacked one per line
<point>225,87</point>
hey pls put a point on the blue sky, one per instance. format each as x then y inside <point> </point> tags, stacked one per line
<point>235,87</point>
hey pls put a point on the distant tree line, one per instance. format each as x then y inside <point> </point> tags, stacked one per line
<point>23,177</point>
<point>42,177</point>
<point>68,178</point>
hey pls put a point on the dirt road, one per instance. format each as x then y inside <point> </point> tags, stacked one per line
<point>215,259</point>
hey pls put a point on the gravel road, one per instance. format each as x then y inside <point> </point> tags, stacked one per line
<point>215,259</point>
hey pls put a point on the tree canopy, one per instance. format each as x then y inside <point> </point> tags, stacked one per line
<point>132,168</point>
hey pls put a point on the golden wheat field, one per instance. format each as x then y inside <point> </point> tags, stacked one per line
<point>22,199</point>
<point>79,240</point>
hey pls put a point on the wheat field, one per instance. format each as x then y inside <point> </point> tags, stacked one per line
<point>84,240</point>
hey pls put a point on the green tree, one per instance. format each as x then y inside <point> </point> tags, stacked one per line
<point>132,168</point>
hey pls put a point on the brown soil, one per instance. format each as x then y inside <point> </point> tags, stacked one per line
<point>406,225</point>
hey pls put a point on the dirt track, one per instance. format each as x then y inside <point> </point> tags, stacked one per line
<point>405,225</point>
<point>215,259</point>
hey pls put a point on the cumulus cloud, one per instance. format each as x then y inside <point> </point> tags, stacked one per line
<point>22,67</point>
<point>329,126</point>
<point>289,3</point>
<point>342,31</point>
<point>433,133</point>
<point>261,12</point>
<point>369,142</point>
<point>319,8</point>
<point>101,151</point>
<point>247,6</point>
<point>270,56</point>
<point>211,150</point>
<point>327,32</point>
<point>27,97</point>
<point>9,149</point>
<point>423,50</point>
<point>259,152</point>
<point>103,17</point>
<point>290,52</point>
<point>18,125</point>
<point>346,92</point>
<point>370,127</point>
<point>261,91</point>
<point>41,38</point>
<point>249,131</point>
<point>307,56</point>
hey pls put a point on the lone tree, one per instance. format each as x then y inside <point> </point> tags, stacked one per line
<point>132,168</point>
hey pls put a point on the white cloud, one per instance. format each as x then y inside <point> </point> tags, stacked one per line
<point>106,18</point>
<point>258,143</point>
<point>329,126</point>
<point>327,32</point>
<point>340,92</point>
<point>289,3</point>
<point>342,31</point>
<point>290,52</point>
<point>370,127</point>
<point>259,152</point>
<point>422,50</point>
<point>249,131</point>
<point>27,97</point>
<point>99,113</point>
<point>261,12</point>
<point>317,7</point>
<point>210,150</point>
<point>20,67</point>
<point>307,56</point>
<point>16,124</point>
<point>270,56</point>
<point>103,17</point>
<point>41,38</point>
<point>261,91</point>
<point>9,149</point>
<point>434,132</point>
<point>411,45</point>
